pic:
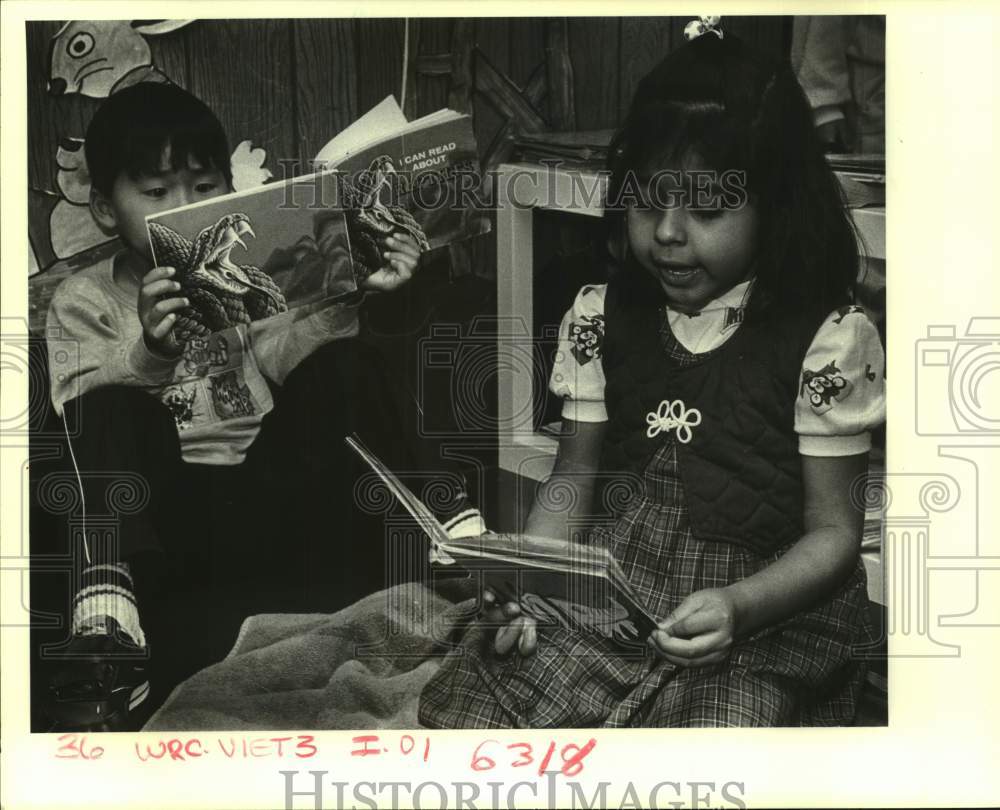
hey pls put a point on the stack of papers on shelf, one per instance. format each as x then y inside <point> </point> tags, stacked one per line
<point>585,149</point>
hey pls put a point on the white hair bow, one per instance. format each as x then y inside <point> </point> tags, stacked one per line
<point>702,25</point>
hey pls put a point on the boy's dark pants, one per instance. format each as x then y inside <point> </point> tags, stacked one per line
<point>279,532</point>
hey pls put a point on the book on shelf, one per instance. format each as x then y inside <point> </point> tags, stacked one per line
<point>557,582</point>
<point>259,261</point>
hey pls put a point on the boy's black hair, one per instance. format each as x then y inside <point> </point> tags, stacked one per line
<point>728,107</point>
<point>130,130</point>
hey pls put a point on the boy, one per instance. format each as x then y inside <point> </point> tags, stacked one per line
<point>150,148</point>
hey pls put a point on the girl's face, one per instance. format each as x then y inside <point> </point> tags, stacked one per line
<point>695,254</point>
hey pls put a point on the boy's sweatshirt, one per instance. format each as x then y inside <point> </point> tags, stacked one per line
<point>95,339</point>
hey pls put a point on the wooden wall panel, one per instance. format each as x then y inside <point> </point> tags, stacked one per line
<point>766,32</point>
<point>326,82</point>
<point>527,47</point>
<point>251,95</point>
<point>645,41</point>
<point>594,51</point>
<point>435,38</point>
<point>171,56</point>
<point>380,60</point>
<point>493,39</point>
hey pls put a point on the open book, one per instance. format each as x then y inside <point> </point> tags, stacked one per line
<point>557,582</point>
<point>259,261</point>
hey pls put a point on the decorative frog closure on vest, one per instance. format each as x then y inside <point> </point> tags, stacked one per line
<point>673,416</point>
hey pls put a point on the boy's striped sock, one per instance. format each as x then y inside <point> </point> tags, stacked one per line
<point>107,593</point>
<point>467,523</point>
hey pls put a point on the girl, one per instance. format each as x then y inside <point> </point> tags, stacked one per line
<point>725,372</point>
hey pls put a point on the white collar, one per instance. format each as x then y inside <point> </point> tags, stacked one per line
<point>733,298</point>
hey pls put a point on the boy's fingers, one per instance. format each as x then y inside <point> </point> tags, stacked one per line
<point>162,287</point>
<point>156,274</point>
<point>405,238</point>
<point>407,246</point>
<point>162,329</point>
<point>397,256</point>
<point>168,305</point>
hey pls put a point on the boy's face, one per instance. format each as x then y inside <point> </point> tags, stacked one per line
<point>132,200</point>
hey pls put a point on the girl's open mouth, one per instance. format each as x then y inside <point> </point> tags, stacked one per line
<point>673,272</point>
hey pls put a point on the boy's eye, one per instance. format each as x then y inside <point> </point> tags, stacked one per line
<point>206,188</point>
<point>156,192</point>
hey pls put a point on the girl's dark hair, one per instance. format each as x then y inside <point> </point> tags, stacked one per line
<point>130,130</point>
<point>730,108</point>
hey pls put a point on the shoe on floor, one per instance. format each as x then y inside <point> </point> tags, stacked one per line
<point>98,682</point>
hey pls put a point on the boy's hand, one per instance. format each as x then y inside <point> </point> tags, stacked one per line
<point>158,304</point>
<point>402,255</point>
<point>515,631</point>
<point>701,631</point>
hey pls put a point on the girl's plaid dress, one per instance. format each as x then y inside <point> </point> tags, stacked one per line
<point>806,670</point>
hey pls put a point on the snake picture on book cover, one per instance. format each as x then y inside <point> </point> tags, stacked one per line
<point>374,213</point>
<point>222,293</point>
<point>244,258</point>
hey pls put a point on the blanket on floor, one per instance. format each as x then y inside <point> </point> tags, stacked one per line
<point>360,668</point>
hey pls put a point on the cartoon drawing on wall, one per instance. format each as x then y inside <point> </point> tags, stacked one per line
<point>96,58</point>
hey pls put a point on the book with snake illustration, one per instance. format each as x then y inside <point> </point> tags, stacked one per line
<point>263,259</point>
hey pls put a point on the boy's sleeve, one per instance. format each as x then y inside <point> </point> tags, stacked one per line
<point>577,373</point>
<point>88,349</point>
<point>841,394</point>
<point>281,342</point>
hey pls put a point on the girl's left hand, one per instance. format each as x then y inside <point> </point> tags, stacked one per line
<point>402,256</point>
<point>701,631</point>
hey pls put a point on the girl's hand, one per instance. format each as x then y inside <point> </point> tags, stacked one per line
<point>157,306</point>
<point>402,257</point>
<point>701,631</point>
<point>515,632</point>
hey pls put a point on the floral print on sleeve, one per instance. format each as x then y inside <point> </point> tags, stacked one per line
<point>587,338</point>
<point>825,387</point>
<point>577,373</point>
<point>841,394</point>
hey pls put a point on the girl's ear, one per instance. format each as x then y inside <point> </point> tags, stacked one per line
<point>103,212</point>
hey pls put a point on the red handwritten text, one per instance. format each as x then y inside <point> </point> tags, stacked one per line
<point>301,746</point>
<point>572,756</point>
<point>372,745</point>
